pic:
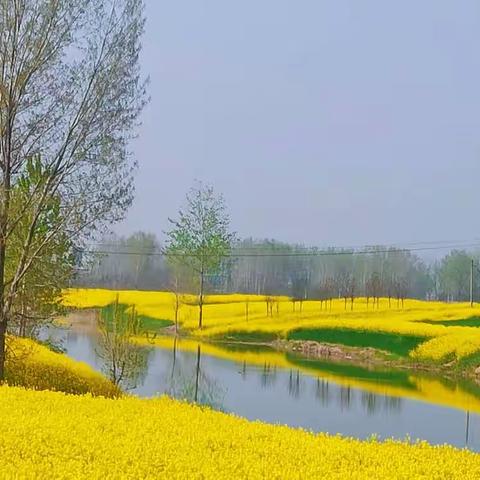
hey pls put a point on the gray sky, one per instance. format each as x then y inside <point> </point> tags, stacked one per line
<point>322,122</point>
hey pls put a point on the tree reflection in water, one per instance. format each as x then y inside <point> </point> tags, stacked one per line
<point>369,402</point>
<point>392,404</point>
<point>268,375</point>
<point>346,397</point>
<point>322,391</point>
<point>124,362</point>
<point>373,403</point>
<point>243,371</point>
<point>188,381</point>
<point>294,384</point>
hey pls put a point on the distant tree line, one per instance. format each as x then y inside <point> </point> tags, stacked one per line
<point>269,267</point>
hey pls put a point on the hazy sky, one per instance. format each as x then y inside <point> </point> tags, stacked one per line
<point>322,122</point>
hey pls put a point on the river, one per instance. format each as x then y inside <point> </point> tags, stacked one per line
<point>275,387</point>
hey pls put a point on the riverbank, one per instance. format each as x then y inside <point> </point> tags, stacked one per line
<point>371,358</point>
<point>33,365</point>
<point>433,336</point>
<point>171,439</point>
<point>341,365</point>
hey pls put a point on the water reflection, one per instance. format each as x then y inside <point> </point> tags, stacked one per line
<point>294,384</point>
<point>322,391</point>
<point>190,382</point>
<point>268,376</point>
<point>345,398</point>
<point>300,397</point>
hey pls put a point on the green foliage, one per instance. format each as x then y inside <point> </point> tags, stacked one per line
<point>200,237</point>
<point>152,325</point>
<point>472,361</point>
<point>465,322</point>
<point>454,276</point>
<point>39,288</point>
<point>125,363</point>
<point>124,317</point>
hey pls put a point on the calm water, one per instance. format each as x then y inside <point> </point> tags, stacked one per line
<point>286,396</point>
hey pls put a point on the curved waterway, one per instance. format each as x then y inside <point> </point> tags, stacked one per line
<point>261,384</point>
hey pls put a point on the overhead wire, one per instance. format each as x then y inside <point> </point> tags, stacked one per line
<point>309,252</point>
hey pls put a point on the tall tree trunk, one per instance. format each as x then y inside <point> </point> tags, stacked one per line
<point>6,161</point>
<point>200,301</point>
<point>5,201</point>
<point>5,205</point>
<point>3,329</point>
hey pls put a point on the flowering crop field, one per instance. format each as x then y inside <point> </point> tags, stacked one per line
<point>432,328</point>
<point>32,365</point>
<point>53,435</point>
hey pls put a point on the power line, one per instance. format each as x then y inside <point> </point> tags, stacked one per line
<point>348,248</point>
<point>320,253</point>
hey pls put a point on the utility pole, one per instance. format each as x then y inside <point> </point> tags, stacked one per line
<point>467,428</point>
<point>471,283</point>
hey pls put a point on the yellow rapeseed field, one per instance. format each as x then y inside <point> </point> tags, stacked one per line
<point>227,314</point>
<point>53,435</point>
<point>32,365</point>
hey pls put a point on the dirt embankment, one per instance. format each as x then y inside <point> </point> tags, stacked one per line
<point>335,353</point>
<point>371,358</point>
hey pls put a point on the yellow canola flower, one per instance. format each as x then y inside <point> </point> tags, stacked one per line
<point>53,435</point>
<point>35,366</point>
<point>455,346</point>
<point>229,314</point>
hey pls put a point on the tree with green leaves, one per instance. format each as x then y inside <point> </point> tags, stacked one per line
<point>454,276</point>
<point>70,95</point>
<point>38,297</point>
<point>124,362</point>
<point>200,237</point>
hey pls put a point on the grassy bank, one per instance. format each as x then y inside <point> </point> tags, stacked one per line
<point>35,366</point>
<point>400,345</point>
<point>420,331</point>
<point>51,435</point>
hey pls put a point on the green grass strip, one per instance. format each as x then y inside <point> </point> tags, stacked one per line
<point>384,377</point>
<point>465,322</point>
<point>143,323</point>
<point>149,324</point>
<point>239,336</point>
<point>394,343</point>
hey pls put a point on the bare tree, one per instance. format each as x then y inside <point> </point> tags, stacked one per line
<point>178,298</point>
<point>70,93</point>
<point>373,288</point>
<point>299,288</point>
<point>347,287</point>
<point>401,290</point>
<point>329,286</point>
